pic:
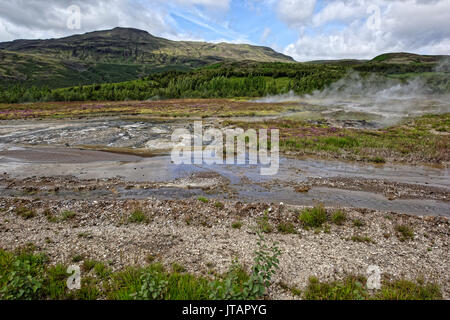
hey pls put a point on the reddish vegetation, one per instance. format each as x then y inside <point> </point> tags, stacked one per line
<point>179,107</point>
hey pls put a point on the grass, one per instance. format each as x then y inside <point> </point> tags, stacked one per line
<point>264,224</point>
<point>236,224</point>
<point>313,217</point>
<point>138,216</point>
<point>364,239</point>
<point>219,205</point>
<point>358,223</point>
<point>25,213</point>
<point>178,268</point>
<point>25,274</point>
<point>286,228</point>
<point>404,232</point>
<point>88,265</point>
<point>414,139</point>
<point>353,288</point>
<point>409,290</point>
<point>203,199</point>
<point>77,258</point>
<point>101,270</point>
<point>339,217</point>
<point>67,215</point>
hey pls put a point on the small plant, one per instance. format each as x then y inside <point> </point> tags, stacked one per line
<point>178,268</point>
<point>286,228</point>
<point>314,217</point>
<point>203,199</point>
<point>138,216</point>
<point>408,290</point>
<point>150,258</point>
<point>67,215</point>
<point>188,220</point>
<point>101,270</point>
<point>25,212</point>
<point>352,288</point>
<point>263,223</point>
<point>77,258</point>
<point>365,239</point>
<point>25,278</point>
<point>218,205</point>
<point>404,232</point>
<point>152,288</point>
<point>236,225</point>
<point>338,217</point>
<point>296,292</point>
<point>378,160</point>
<point>89,264</point>
<point>253,285</point>
<point>358,223</point>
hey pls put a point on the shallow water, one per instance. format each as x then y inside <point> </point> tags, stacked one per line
<point>245,180</point>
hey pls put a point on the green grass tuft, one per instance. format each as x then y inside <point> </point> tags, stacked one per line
<point>314,217</point>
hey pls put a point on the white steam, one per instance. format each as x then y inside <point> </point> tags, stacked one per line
<point>384,99</point>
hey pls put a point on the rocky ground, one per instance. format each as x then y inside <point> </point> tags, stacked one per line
<point>199,235</point>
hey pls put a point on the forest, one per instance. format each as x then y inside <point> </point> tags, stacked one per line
<point>220,80</point>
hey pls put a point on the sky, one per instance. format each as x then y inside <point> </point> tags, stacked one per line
<point>304,29</point>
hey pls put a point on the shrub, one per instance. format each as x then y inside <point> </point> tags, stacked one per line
<point>266,264</point>
<point>263,223</point>
<point>22,276</point>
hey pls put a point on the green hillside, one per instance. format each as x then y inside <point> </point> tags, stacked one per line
<point>120,54</point>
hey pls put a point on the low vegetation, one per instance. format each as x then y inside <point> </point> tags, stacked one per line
<point>313,217</point>
<point>339,217</point>
<point>138,216</point>
<point>404,232</point>
<point>26,275</point>
<point>353,288</point>
<point>417,138</point>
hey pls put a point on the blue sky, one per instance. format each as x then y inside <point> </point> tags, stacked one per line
<point>303,29</point>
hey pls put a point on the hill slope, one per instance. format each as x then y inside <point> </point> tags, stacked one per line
<point>119,54</point>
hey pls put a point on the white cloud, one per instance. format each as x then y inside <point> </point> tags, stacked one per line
<point>295,12</point>
<point>45,19</point>
<point>340,30</point>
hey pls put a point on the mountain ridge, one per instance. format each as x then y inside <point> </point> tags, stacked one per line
<point>129,44</point>
<point>115,55</point>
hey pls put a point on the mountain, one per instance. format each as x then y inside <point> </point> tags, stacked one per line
<point>114,55</point>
